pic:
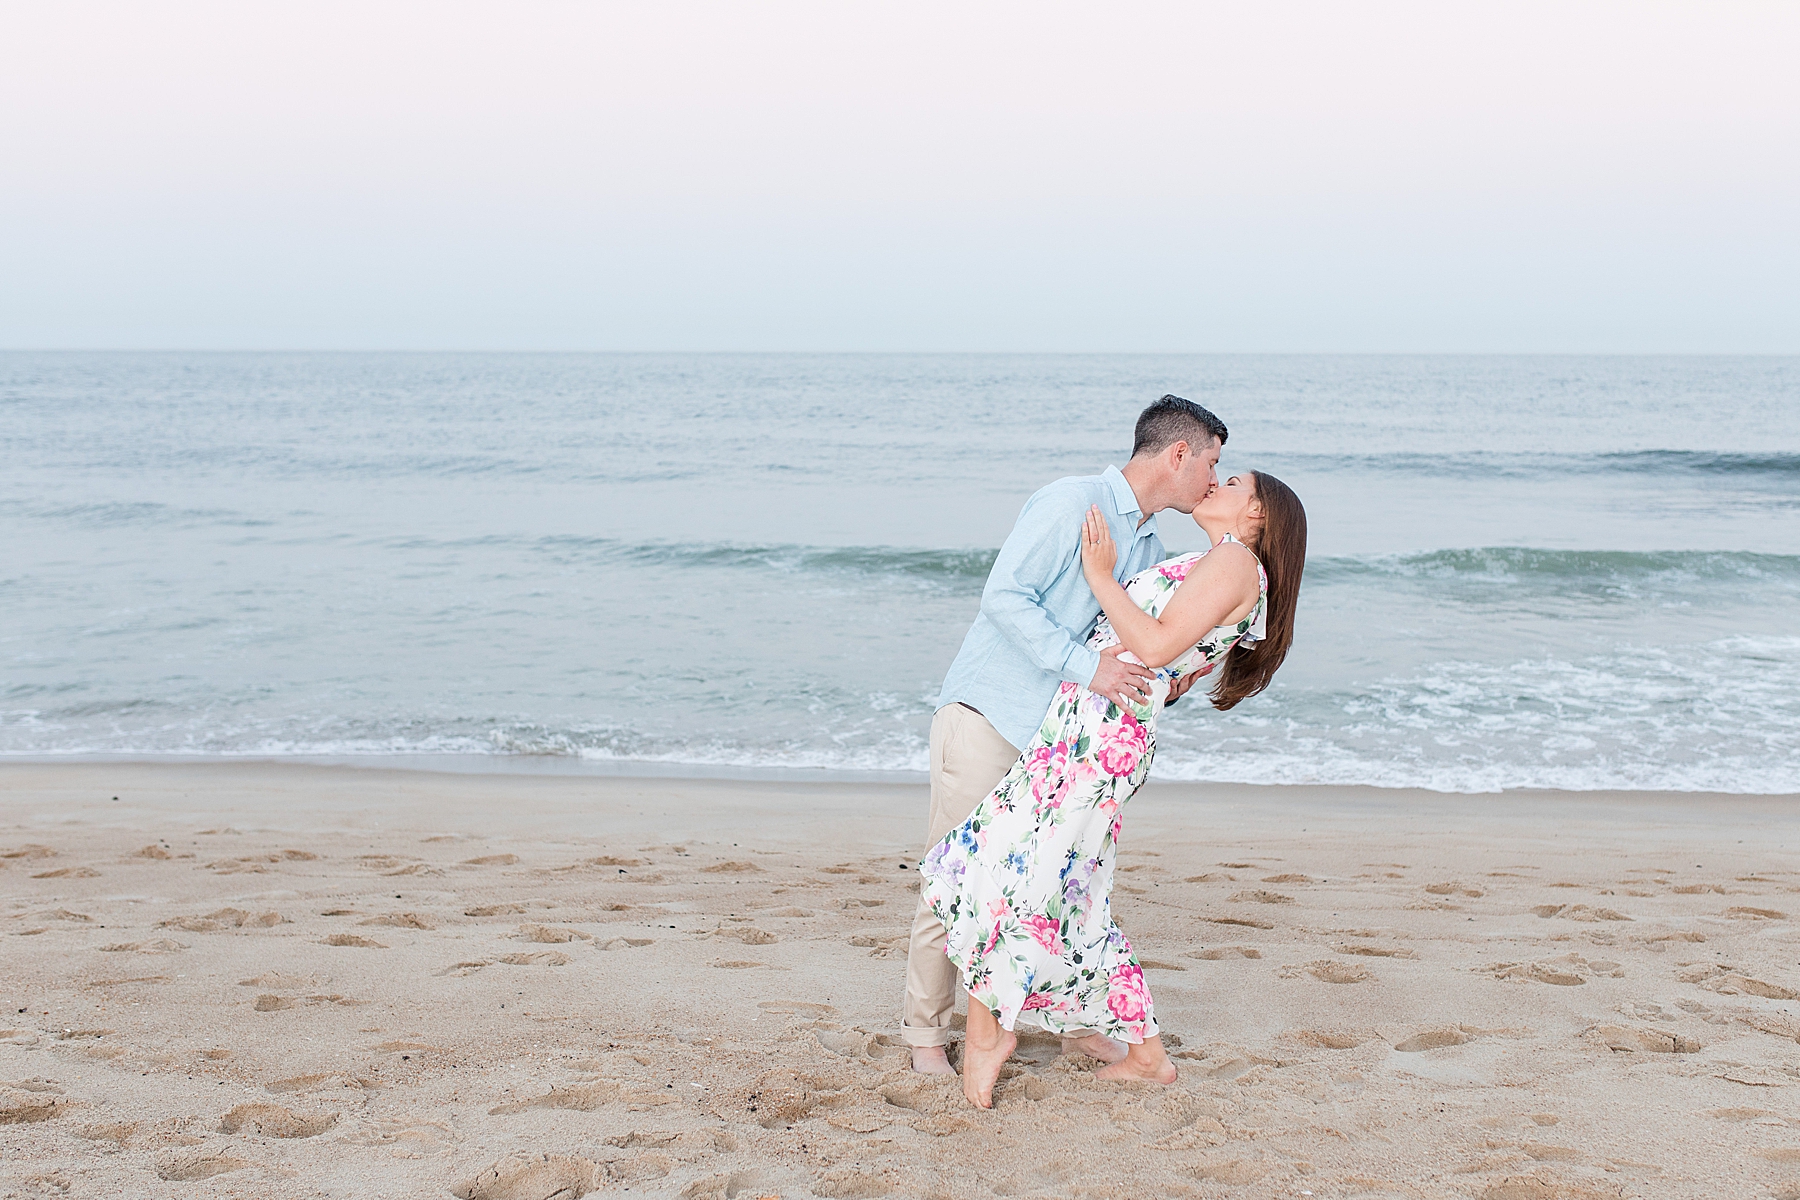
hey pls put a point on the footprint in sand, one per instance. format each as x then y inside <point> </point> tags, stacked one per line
<point>1260,896</point>
<point>624,943</point>
<point>68,873</point>
<point>1216,953</point>
<point>798,1008</point>
<point>119,1133</point>
<point>749,935</point>
<point>732,868</point>
<point>154,946</point>
<point>1729,981</point>
<point>552,934</point>
<point>1246,922</point>
<point>225,918</point>
<point>1328,971</point>
<point>29,850</point>
<point>881,947</point>
<point>1329,1039</point>
<point>1432,1039</point>
<point>63,914</point>
<point>404,920</point>
<point>540,958</point>
<point>257,864</point>
<point>350,939</point>
<point>579,1097</point>
<point>491,860</point>
<point>534,1177</point>
<point>192,1167</point>
<point>272,1120</point>
<point>1745,913</point>
<point>279,980</point>
<point>1579,912</point>
<point>1568,970</point>
<point>30,1102</point>
<point>1626,1040</point>
<point>303,1083</point>
<point>493,910</point>
<point>1368,951</point>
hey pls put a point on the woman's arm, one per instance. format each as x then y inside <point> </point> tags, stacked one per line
<point>1220,585</point>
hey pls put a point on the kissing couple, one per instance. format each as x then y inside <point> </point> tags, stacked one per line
<point>1046,726</point>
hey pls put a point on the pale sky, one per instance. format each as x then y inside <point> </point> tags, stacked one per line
<point>1517,177</point>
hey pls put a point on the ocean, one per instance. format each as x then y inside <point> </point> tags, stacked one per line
<point>1557,572</point>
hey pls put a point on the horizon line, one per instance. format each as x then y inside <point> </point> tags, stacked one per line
<point>913,353</point>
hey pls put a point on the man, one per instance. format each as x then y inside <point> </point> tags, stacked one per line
<point>1031,633</point>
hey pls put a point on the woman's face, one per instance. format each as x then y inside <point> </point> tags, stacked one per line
<point>1231,505</point>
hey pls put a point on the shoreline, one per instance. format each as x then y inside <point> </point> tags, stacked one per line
<point>285,980</point>
<point>569,766</point>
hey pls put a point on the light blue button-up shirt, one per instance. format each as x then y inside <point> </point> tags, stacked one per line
<point>1037,610</point>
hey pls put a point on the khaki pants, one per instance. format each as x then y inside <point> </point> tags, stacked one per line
<point>968,758</point>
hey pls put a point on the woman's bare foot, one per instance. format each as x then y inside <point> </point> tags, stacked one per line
<point>931,1060</point>
<point>985,1050</point>
<point>1146,1060</point>
<point>1095,1045</point>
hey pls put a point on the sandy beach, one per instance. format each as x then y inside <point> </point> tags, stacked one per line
<point>279,980</point>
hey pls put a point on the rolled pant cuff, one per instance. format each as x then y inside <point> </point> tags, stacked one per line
<point>922,1036</point>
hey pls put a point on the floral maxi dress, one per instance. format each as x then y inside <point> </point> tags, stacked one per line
<point>1024,886</point>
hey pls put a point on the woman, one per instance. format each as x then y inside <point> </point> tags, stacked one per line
<point>1024,885</point>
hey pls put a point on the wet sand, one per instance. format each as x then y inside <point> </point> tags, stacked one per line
<point>284,980</point>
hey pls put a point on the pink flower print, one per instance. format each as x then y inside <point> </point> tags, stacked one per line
<point>1035,1000</point>
<point>1048,769</point>
<point>1122,745</point>
<point>993,940</point>
<point>1126,996</point>
<point>998,907</point>
<point>1045,931</point>
<point>1177,571</point>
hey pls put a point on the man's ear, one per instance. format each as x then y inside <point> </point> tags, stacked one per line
<point>1178,452</point>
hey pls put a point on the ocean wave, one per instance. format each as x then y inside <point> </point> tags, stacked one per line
<point>1709,462</point>
<point>951,566</point>
<point>924,564</point>
<point>1304,762</point>
<point>1748,466</point>
<point>1525,563</point>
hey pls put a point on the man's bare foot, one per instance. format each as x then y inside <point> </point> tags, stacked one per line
<point>985,1050</point>
<point>1147,1060</point>
<point>931,1060</point>
<point>1096,1045</point>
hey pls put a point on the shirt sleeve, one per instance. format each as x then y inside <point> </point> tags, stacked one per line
<point>1046,539</point>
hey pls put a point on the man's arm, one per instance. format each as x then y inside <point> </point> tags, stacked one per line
<point>1045,542</point>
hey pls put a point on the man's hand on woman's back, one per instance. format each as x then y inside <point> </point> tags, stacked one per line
<point>1121,682</point>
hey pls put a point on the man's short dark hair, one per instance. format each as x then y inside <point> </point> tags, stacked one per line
<point>1172,420</point>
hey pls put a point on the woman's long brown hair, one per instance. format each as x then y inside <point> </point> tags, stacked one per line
<point>1282,548</point>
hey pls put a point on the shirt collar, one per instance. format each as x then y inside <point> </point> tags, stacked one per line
<point>1125,502</point>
